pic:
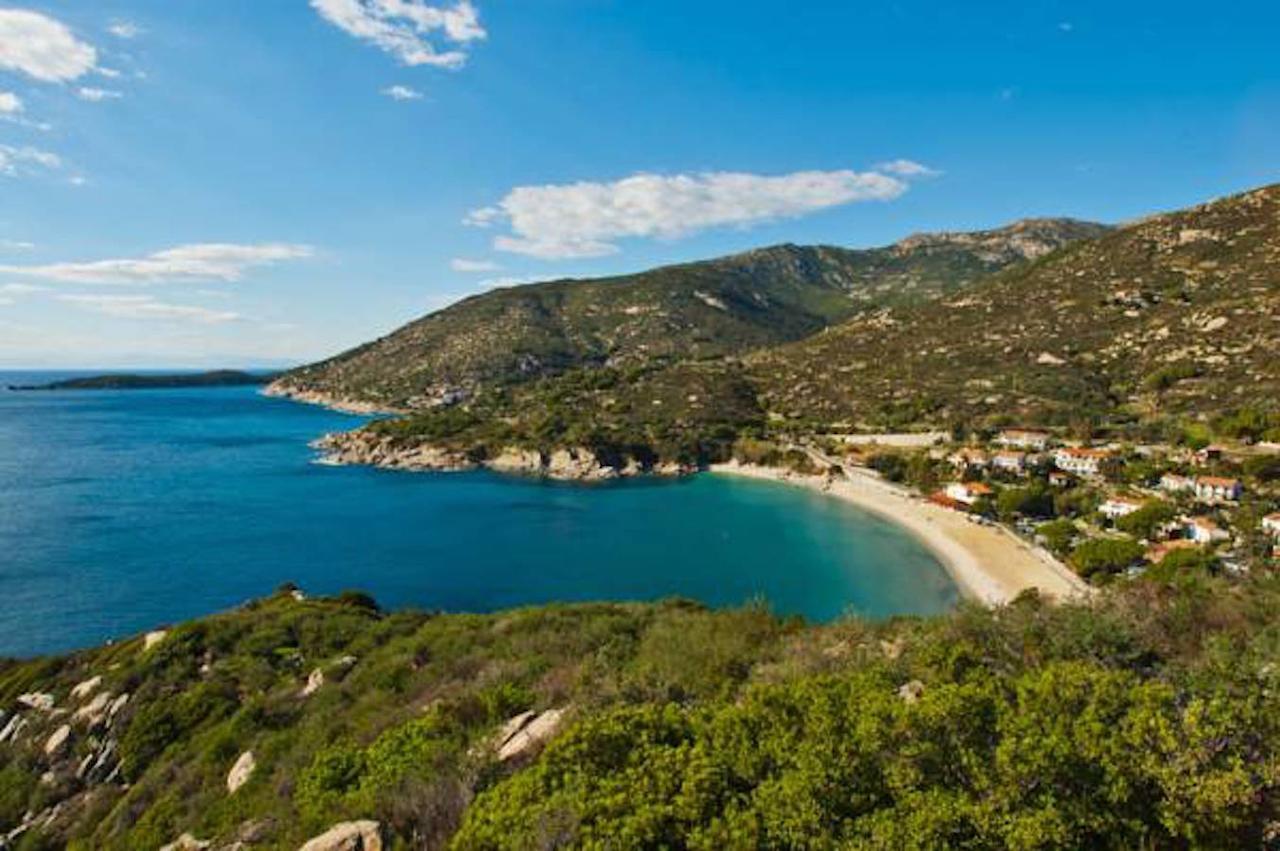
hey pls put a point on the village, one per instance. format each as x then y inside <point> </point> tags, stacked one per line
<point>1105,509</point>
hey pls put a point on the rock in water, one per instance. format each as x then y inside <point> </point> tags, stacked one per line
<point>241,771</point>
<point>348,836</point>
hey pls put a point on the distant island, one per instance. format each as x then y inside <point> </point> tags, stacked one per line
<point>215,378</point>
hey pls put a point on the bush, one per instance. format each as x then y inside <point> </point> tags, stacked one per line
<point>1147,520</point>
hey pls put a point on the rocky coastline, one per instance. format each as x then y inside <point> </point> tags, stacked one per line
<point>575,464</point>
<point>280,389</point>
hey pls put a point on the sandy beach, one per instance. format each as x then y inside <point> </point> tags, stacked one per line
<point>989,564</point>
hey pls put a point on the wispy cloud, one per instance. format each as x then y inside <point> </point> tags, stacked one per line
<point>587,219</point>
<point>907,168</point>
<point>16,245</point>
<point>402,93</point>
<point>21,289</point>
<point>97,95</point>
<point>462,264</point>
<point>183,263</point>
<point>25,160</point>
<point>42,47</point>
<point>147,307</point>
<point>408,29</point>
<point>10,104</point>
<point>124,29</point>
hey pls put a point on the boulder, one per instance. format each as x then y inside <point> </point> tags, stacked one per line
<point>186,842</point>
<point>57,743</point>
<point>241,771</point>
<point>529,730</point>
<point>151,639</point>
<point>95,711</point>
<point>912,691</point>
<point>12,728</point>
<point>313,683</point>
<point>348,836</point>
<point>37,700</point>
<point>86,688</point>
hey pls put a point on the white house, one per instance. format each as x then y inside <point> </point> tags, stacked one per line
<point>1082,462</point>
<point>1217,489</point>
<point>968,492</point>
<point>1271,524</point>
<point>1174,483</point>
<point>1011,462</point>
<point>1118,506</point>
<point>1019,438</point>
<point>968,456</point>
<point>1202,530</point>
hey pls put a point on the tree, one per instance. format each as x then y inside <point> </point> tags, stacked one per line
<point>1058,535</point>
<point>1147,520</point>
<point>1033,501</point>
<point>1105,556</point>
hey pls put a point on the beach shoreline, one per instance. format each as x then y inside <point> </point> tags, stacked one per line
<point>988,563</point>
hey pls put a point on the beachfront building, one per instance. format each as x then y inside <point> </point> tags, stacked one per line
<point>1019,438</point>
<point>1271,524</point>
<point>1218,489</point>
<point>1082,462</point>
<point>1203,530</point>
<point>967,492</point>
<point>967,457</point>
<point>1118,506</point>
<point>1174,483</point>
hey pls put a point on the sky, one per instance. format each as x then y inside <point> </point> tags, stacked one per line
<point>187,183</point>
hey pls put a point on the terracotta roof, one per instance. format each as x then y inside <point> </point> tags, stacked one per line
<point>1217,482</point>
<point>1077,452</point>
<point>979,487</point>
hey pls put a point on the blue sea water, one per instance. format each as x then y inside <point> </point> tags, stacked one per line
<point>122,511</point>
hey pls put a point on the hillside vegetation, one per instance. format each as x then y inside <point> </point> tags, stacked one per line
<point>691,311</point>
<point>1177,315</point>
<point>1147,719</point>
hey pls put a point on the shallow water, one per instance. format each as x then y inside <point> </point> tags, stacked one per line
<point>121,511</point>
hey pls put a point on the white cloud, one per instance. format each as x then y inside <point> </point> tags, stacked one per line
<point>10,103</point>
<point>402,93</point>
<point>110,73</point>
<point>462,264</point>
<point>42,48</point>
<point>586,219</point>
<point>21,289</point>
<point>16,245</point>
<point>146,307</point>
<point>907,168</point>
<point>97,95</point>
<point>183,263</point>
<point>406,28</point>
<point>16,161</point>
<point>124,29</point>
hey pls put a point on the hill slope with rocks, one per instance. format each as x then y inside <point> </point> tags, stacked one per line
<point>1176,315</point>
<point>693,311</point>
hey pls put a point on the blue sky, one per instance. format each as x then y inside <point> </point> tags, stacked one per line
<point>186,183</point>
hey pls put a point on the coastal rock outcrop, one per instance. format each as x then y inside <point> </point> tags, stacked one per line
<point>578,463</point>
<point>527,731</point>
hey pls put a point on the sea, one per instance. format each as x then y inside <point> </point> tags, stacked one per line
<point>123,511</point>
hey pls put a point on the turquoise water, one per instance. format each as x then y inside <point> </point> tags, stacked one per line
<point>123,511</point>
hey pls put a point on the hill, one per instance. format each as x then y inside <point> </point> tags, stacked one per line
<point>691,311</point>
<point>1147,719</point>
<point>216,378</point>
<point>1174,316</point>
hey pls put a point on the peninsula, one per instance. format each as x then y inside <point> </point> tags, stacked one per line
<point>127,381</point>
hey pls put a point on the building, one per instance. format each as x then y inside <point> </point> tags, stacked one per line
<point>1202,530</point>
<point>1174,483</point>
<point>1217,489</point>
<point>1271,524</point>
<point>1018,438</point>
<point>1118,506</point>
<point>1208,454</point>
<point>967,492</point>
<point>1059,479</point>
<point>1010,462</point>
<point>1082,462</point>
<point>969,457</point>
